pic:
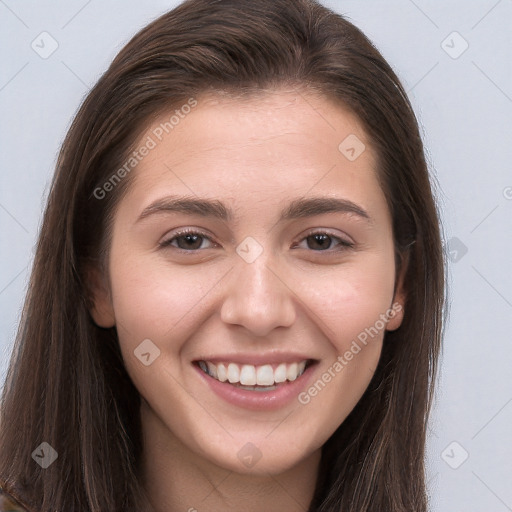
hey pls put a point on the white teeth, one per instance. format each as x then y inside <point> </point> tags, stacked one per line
<point>222,373</point>
<point>280,373</point>
<point>233,373</point>
<point>250,375</point>
<point>265,375</point>
<point>212,370</point>
<point>291,372</point>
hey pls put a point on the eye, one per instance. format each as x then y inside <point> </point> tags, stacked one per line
<point>187,240</point>
<point>321,241</point>
<point>191,241</point>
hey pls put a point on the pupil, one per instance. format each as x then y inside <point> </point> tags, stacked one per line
<point>190,239</point>
<point>321,240</point>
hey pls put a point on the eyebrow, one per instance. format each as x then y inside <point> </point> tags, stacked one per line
<point>298,208</point>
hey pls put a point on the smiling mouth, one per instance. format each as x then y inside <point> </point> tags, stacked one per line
<point>266,377</point>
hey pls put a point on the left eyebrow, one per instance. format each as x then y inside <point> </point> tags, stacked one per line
<point>298,208</point>
<point>309,207</point>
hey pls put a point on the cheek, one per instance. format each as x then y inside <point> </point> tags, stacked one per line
<point>349,310</point>
<point>150,299</point>
<point>153,301</point>
<point>348,301</point>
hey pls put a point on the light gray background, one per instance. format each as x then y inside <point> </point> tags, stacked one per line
<point>464,103</point>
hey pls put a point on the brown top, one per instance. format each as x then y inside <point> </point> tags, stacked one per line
<point>9,504</point>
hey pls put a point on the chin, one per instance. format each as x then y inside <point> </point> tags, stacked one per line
<point>259,458</point>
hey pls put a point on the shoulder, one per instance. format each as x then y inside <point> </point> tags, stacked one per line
<point>9,504</point>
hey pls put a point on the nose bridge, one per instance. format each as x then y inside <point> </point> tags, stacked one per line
<point>257,296</point>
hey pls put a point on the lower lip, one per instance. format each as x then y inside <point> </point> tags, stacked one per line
<point>273,399</point>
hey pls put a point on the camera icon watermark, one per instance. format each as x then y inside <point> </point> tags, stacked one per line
<point>351,147</point>
<point>455,455</point>
<point>249,249</point>
<point>147,352</point>
<point>44,45</point>
<point>456,249</point>
<point>45,455</point>
<point>249,455</point>
<point>454,45</point>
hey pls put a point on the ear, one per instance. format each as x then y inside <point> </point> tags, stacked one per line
<point>101,307</point>
<point>397,309</point>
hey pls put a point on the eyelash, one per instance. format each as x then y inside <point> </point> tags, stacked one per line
<point>344,244</point>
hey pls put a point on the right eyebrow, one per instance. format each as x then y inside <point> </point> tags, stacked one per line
<point>190,205</point>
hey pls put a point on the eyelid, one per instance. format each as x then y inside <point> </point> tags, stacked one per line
<point>325,231</point>
<point>182,232</point>
<point>344,240</point>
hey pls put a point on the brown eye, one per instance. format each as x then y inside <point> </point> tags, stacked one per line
<point>322,241</point>
<point>319,241</point>
<point>186,240</point>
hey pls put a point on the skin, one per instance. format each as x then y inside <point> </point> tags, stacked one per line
<point>256,155</point>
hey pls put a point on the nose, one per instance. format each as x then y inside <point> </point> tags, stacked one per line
<point>258,297</point>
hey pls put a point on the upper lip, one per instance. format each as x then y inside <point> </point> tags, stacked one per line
<point>257,359</point>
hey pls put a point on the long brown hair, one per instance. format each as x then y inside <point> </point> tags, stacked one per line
<point>66,383</point>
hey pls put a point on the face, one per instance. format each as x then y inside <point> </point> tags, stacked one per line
<point>251,314</point>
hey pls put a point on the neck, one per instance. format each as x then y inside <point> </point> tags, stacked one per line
<point>179,480</point>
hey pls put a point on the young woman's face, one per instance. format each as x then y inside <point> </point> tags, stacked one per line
<point>284,284</point>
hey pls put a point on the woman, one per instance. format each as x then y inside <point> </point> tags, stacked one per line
<point>237,294</point>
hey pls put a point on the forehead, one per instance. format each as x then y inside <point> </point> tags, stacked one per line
<point>264,119</point>
<point>255,150</point>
